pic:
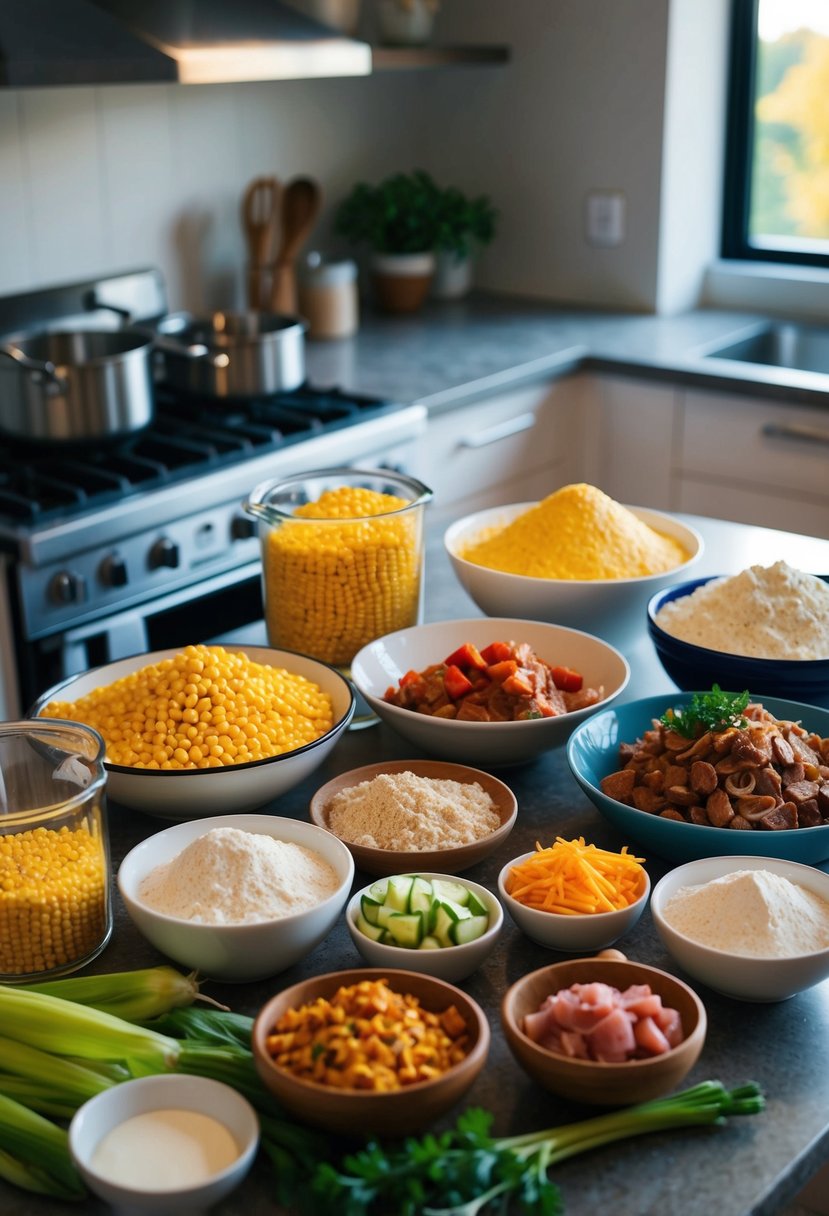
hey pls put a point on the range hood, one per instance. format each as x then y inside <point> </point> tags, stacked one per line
<point>57,42</point>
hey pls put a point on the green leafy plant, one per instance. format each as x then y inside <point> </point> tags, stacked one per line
<point>464,224</point>
<point>399,215</point>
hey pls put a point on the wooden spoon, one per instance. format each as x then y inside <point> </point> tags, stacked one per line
<point>301,200</point>
<point>260,204</point>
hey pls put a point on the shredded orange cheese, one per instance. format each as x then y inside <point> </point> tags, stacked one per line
<point>573,878</point>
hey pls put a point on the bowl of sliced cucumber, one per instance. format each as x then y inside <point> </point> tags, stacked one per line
<point>432,923</point>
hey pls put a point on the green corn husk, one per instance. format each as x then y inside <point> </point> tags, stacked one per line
<point>66,1029</point>
<point>221,1028</point>
<point>135,996</point>
<point>67,1080</point>
<point>34,1153</point>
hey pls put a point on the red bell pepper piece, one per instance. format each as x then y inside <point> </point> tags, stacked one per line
<point>496,652</point>
<point>455,682</point>
<point>566,679</point>
<point>518,685</point>
<point>503,670</point>
<point>410,677</point>
<point>466,656</point>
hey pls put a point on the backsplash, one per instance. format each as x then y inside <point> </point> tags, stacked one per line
<point>105,179</point>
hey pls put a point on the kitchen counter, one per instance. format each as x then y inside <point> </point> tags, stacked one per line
<point>453,352</point>
<point>750,1167</point>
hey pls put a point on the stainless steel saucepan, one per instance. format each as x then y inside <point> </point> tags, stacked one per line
<point>233,354</point>
<point>76,385</point>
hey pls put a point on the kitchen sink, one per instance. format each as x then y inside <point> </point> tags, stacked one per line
<point>780,344</point>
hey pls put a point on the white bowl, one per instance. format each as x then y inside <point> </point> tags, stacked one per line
<point>451,963</point>
<point>241,952</point>
<point>611,608</point>
<point>189,793</point>
<point>571,934</point>
<point>170,1092</point>
<point>746,979</point>
<point>485,744</point>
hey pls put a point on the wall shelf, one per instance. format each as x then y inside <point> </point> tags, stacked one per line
<point>406,58</point>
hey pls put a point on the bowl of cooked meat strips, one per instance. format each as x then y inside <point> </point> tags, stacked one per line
<point>706,774</point>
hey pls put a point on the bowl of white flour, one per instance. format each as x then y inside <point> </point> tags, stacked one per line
<point>237,897</point>
<point>753,928</point>
<point>765,629</point>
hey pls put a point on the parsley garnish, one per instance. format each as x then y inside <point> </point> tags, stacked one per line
<point>715,710</point>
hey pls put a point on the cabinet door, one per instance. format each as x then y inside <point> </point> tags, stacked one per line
<point>633,425</point>
<point>511,448</point>
<point>755,461</point>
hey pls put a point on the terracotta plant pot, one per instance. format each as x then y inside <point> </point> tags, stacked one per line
<point>401,281</point>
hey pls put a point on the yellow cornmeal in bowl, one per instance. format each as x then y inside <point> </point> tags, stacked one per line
<point>578,532</point>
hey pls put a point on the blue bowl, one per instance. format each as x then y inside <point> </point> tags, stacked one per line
<point>593,753</point>
<point>691,666</point>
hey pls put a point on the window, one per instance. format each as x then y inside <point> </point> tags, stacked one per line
<point>777,169</point>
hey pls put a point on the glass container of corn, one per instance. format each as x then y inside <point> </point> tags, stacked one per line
<point>342,559</point>
<point>55,908</point>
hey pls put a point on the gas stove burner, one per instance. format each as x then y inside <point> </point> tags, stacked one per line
<point>189,435</point>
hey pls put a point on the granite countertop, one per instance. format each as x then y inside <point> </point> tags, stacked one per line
<point>750,1167</point>
<point>453,352</point>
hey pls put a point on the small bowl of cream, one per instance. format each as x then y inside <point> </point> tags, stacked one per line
<point>164,1144</point>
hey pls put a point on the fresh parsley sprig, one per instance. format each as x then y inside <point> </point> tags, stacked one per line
<point>715,710</point>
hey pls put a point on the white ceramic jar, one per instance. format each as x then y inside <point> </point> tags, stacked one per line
<point>328,298</point>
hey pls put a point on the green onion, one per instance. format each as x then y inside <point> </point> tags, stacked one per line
<point>135,996</point>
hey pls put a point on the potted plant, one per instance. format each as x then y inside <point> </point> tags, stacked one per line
<point>465,225</point>
<point>398,220</point>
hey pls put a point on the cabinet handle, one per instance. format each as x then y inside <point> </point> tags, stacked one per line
<point>794,430</point>
<point>501,430</point>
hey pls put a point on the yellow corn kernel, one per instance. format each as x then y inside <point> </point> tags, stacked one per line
<point>238,711</point>
<point>353,575</point>
<point>53,897</point>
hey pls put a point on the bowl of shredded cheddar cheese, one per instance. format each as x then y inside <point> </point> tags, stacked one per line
<point>576,558</point>
<point>205,730</point>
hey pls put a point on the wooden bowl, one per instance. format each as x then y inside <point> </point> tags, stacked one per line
<point>384,862</point>
<point>400,1112</point>
<point>587,1080</point>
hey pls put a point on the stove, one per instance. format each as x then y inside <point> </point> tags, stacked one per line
<point>113,549</point>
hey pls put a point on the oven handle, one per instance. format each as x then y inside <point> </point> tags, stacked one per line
<point>501,430</point>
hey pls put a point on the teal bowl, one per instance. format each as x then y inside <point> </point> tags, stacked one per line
<point>593,750</point>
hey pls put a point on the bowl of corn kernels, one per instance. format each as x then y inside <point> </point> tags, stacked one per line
<point>206,730</point>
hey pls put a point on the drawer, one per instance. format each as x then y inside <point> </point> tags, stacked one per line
<point>755,443</point>
<point>467,452</point>
<point>786,512</point>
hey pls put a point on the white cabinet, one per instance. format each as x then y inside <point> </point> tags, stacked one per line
<point>631,452</point>
<point>516,446</point>
<point>755,461</point>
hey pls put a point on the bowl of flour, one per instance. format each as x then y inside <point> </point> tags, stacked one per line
<point>765,629</point>
<point>752,928</point>
<point>237,897</point>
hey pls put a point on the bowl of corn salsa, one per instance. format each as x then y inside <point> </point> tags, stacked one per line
<point>364,1079</point>
<point>206,730</point>
<point>576,558</point>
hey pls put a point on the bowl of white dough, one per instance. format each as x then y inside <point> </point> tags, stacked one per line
<point>753,928</point>
<point>237,897</point>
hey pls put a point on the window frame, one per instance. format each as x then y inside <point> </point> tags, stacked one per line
<point>739,146</point>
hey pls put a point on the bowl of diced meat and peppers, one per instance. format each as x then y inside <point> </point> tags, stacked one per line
<point>494,689</point>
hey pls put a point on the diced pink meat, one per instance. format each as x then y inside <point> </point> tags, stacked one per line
<point>650,1037</point>
<point>597,1022</point>
<point>613,1035</point>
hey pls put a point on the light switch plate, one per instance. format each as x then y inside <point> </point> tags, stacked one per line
<point>605,218</point>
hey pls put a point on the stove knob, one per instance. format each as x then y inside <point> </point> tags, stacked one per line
<point>113,571</point>
<point>242,528</point>
<point>165,552</point>
<point>66,588</point>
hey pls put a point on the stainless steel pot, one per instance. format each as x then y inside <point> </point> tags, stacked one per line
<point>234,354</point>
<point>76,385</point>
